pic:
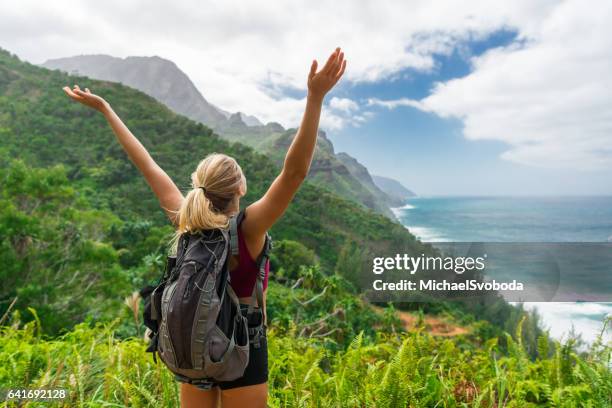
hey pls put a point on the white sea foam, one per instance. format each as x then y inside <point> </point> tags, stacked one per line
<point>397,211</point>
<point>426,234</point>
<point>586,318</point>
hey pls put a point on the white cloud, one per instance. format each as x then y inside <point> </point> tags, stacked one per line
<point>341,112</point>
<point>243,54</point>
<point>549,96</point>
<point>392,104</point>
<point>343,104</point>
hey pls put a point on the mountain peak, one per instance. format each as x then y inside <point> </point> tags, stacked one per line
<point>235,119</point>
<point>275,127</point>
<point>156,76</point>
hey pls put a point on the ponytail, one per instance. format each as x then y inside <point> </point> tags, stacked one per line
<point>213,198</point>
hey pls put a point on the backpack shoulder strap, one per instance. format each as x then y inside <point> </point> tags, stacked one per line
<point>257,297</point>
<point>183,243</point>
<point>234,223</point>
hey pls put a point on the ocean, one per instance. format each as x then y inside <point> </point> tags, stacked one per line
<point>521,219</point>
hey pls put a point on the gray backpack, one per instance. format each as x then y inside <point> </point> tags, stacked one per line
<point>196,324</point>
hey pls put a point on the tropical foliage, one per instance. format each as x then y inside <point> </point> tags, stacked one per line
<point>42,127</point>
<point>392,370</point>
<point>80,232</point>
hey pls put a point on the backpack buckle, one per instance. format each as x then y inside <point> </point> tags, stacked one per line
<point>257,333</point>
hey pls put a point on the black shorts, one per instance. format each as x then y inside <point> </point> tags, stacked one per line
<point>256,371</point>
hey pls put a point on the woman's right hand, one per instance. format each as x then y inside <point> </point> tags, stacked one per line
<point>320,83</point>
<point>87,98</point>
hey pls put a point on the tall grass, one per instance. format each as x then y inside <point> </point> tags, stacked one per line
<point>410,369</point>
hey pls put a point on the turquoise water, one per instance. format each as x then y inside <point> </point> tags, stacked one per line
<point>521,219</point>
<point>509,219</point>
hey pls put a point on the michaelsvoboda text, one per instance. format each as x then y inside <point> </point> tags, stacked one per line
<point>458,265</point>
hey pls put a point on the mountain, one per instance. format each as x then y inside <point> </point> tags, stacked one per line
<point>40,125</point>
<point>248,120</point>
<point>327,169</point>
<point>394,189</point>
<point>361,173</point>
<point>79,226</point>
<point>155,76</point>
<point>180,94</point>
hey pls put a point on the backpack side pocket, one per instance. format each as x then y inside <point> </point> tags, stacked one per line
<point>227,358</point>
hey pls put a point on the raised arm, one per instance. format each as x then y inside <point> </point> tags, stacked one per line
<point>170,197</point>
<point>262,214</point>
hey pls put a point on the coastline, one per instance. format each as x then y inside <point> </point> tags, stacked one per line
<point>558,317</point>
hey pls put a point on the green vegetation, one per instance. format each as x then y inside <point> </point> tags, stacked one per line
<point>80,232</point>
<point>42,127</point>
<point>145,73</point>
<point>50,255</point>
<point>328,169</point>
<point>328,346</point>
<point>415,370</point>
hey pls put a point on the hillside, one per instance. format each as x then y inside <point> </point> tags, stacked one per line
<point>394,189</point>
<point>80,232</point>
<point>41,126</point>
<point>328,348</point>
<point>407,370</point>
<point>361,173</point>
<point>327,169</point>
<point>164,81</point>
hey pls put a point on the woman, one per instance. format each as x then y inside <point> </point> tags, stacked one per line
<point>218,184</point>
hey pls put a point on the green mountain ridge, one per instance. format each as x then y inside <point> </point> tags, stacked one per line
<point>361,173</point>
<point>327,169</point>
<point>163,80</point>
<point>42,127</point>
<point>80,231</point>
<point>39,125</point>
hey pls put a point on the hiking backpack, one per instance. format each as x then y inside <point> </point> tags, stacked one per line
<point>196,325</point>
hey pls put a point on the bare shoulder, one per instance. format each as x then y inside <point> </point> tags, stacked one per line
<point>254,239</point>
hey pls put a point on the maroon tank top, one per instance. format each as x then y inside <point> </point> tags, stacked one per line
<point>244,276</point>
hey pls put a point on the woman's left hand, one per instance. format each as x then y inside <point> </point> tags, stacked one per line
<point>319,83</point>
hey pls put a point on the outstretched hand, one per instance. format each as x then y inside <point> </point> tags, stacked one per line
<point>319,83</point>
<point>86,98</point>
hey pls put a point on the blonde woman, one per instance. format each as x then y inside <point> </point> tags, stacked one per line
<point>217,186</point>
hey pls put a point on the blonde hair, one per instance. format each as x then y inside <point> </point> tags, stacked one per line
<point>213,199</point>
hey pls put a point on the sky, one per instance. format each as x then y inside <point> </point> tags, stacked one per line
<point>450,98</point>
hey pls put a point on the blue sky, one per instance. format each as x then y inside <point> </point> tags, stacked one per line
<point>425,152</point>
<point>450,98</point>
<point>430,155</point>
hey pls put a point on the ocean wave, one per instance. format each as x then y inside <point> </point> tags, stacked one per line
<point>397,211</point>
<point>404,207</point>
<point>426,234</point>
<point>585,318</point>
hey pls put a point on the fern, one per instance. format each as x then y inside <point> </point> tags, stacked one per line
<point>407,370</point>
